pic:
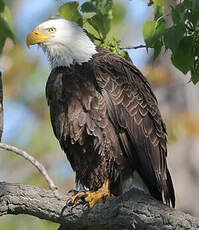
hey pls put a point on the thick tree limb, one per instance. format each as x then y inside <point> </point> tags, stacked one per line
<point>33,161</point>
<point>133,210</point>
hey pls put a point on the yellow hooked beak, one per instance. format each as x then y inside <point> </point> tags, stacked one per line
<point>36,37</point>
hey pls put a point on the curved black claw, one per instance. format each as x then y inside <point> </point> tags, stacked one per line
<point>76,197</point>
<point>72,192</point>
<point>69,202</point>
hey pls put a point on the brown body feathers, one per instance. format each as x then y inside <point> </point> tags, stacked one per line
<point>106,119</point>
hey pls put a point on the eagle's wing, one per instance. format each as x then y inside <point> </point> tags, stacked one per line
<point>132,108</point>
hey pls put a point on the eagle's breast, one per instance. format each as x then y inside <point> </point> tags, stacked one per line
<point>81,124</point>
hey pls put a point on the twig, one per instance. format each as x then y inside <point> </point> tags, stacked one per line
<point>1,107</point>
<point>132,47</point>
<point>33,161</point>
<point>132,210</point>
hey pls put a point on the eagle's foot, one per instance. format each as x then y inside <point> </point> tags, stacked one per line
<point>94,196</point>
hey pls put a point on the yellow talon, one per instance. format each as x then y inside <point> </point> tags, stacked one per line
<point>92,197</point>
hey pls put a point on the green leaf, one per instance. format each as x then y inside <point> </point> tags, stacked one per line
<point>150,3</point>
<point>70,12</point>
<point>88,7</point>
<point>7,16</point>
<point>158,8</point>
<point>5,24</point>
<point>2,42</point>
<point>173,36</point>
<point>100,24</point>
<point>92,36</point>
<point>158,11</point>
<point>195,76</point>
<point>188,3</point>
<point>159,2</point>
<point>196,4</point>
<point>5,33</point>
<point>148,30</point>
<point>177,14</point>
<point>2,5</point>
<point>196,45</point>
<point>157,48</point>
<point>5,30</point>
<point>153,31</point>
<point>108,5</point>
<point>183,58</point>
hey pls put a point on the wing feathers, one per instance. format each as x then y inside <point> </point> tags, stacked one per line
<point>132,107</point>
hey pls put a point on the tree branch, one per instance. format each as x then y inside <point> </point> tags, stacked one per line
<point>132,210</point>
<point>33,161</point>
<point>132,47</point>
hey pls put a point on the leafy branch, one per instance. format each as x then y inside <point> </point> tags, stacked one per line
<point>95,16</point>
<point>182,37</point>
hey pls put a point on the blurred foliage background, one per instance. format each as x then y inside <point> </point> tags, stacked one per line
<point>26,116</point>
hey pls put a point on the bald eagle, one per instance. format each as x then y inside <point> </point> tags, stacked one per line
<point>104,115</point>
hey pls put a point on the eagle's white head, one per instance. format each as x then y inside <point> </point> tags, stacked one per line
<point>64,41</point>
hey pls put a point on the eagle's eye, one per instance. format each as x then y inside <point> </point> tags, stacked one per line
<point>51,29</point>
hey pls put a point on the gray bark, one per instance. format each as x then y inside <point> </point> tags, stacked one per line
<point>132,210</point>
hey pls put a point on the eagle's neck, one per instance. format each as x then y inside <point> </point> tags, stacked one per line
<point>78,50</point>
